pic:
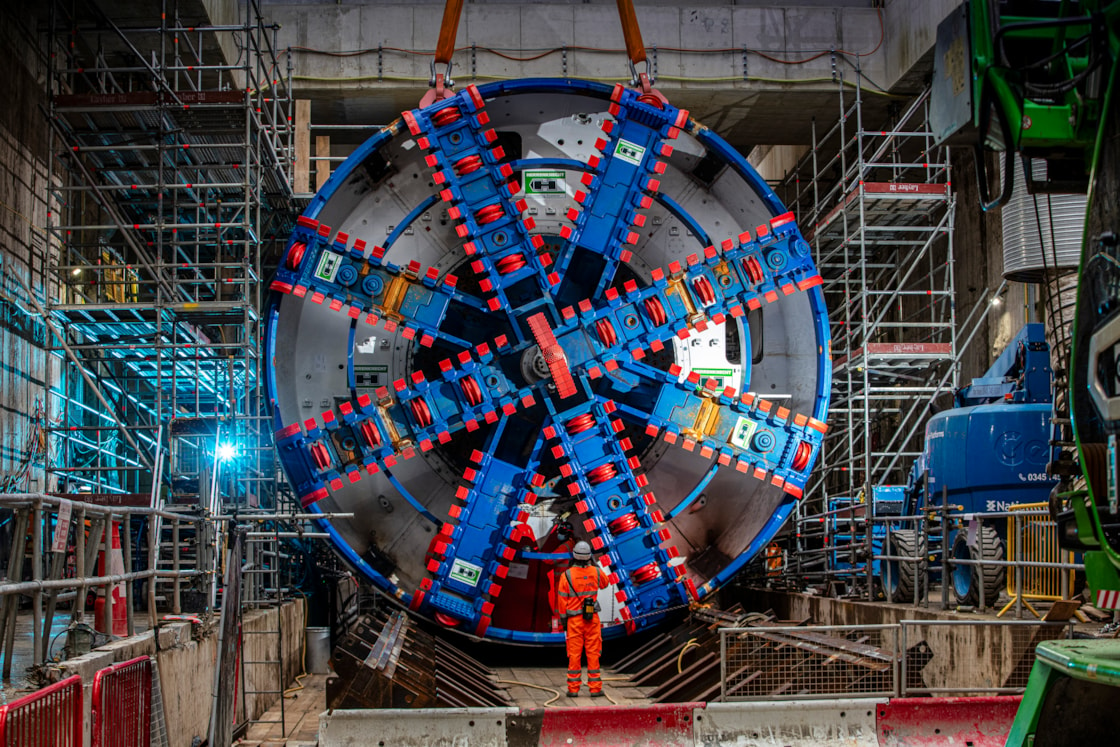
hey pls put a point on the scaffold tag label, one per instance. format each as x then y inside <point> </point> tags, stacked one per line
<point>62,528</point>
<point>465,573</point>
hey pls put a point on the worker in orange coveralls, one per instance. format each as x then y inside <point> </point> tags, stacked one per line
<point>578,588</point>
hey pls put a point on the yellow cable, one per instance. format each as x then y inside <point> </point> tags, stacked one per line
<point>680,657</point>
<point>547,703</point>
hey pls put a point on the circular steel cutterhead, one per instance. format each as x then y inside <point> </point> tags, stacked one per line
<point>542,302</point>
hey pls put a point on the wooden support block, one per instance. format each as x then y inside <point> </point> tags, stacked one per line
<point>302,173</point>
<point>322,168</point>
<point>1061,611</point>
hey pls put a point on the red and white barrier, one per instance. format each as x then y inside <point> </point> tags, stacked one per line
<point>853,722</point>
<point>663,725</point>
<point>788,723</point>
<point>116,591</point>
<point>935,722</point>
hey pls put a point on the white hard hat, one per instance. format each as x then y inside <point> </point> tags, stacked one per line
<point>582,551</point>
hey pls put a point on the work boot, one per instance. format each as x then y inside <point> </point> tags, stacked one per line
<point>599,694</point>
<point>573,694</point>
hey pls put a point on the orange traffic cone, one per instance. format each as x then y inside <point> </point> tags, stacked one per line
<point>116,565</point>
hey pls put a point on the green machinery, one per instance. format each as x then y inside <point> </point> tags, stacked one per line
<point>1026,77</point>
<point>1039,79</point>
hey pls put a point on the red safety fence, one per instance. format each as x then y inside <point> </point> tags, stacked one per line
<point>122,704</point>
<point>51,717</point>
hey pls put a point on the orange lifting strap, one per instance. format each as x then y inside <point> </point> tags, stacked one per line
<point>447,30</point>
<point>636,51</point>
<point>445,48</point>
<point>449,27</point>
<point>630,31</point>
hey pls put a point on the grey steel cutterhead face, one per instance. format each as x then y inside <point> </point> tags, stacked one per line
<point>626,339</point>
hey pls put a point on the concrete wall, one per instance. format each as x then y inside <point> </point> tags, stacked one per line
<point>186,672</point>
<point>354,25</point>
<point>773,162</point>
<point>24,372</point>
<point>783,30</point>
<point>186,660</point>
<point>789,77</point>
<point>260,644</point>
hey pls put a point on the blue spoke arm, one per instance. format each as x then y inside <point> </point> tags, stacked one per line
<point>620,181</point>
<point>711,288</point>
<point>476,544</point>
<point>370,434</point>
<point>613,501</point>
<point>364,286</point>
<point>477,188</point>
<point>753,434</point>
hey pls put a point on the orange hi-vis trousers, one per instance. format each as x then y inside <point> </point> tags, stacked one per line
<point>584,635</point>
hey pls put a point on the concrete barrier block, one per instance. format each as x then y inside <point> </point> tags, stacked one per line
<point>123,649</point>
<point>419,727</point>
<point>659,725</point>
<point>172,634</point>
<point>849,722</point>
<point>982,721</point>
<point>87,665</point>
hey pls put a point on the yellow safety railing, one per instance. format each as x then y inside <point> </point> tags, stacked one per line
<point>1033,537</point>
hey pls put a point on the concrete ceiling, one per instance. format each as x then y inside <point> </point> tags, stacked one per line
<point>778,105</point>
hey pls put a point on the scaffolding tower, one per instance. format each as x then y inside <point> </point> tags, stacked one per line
<point>878,207</point>
<point>171,160</point>
<point>171,150</point>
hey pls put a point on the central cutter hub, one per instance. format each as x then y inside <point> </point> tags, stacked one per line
<point>533,365</point>
<point>553,355</point>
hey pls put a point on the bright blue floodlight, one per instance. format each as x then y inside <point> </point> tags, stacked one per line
<point>227,451</point>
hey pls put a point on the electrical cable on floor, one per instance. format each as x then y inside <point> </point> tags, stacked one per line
<point>680,657</point>
<point>547,703</point>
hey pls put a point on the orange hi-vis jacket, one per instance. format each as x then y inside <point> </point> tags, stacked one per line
<point>576,583</point>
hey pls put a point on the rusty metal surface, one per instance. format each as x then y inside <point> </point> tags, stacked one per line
<point>832,649</point>
<point>764,658</point>
<point>765,661</point>
<point>386,661</point>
